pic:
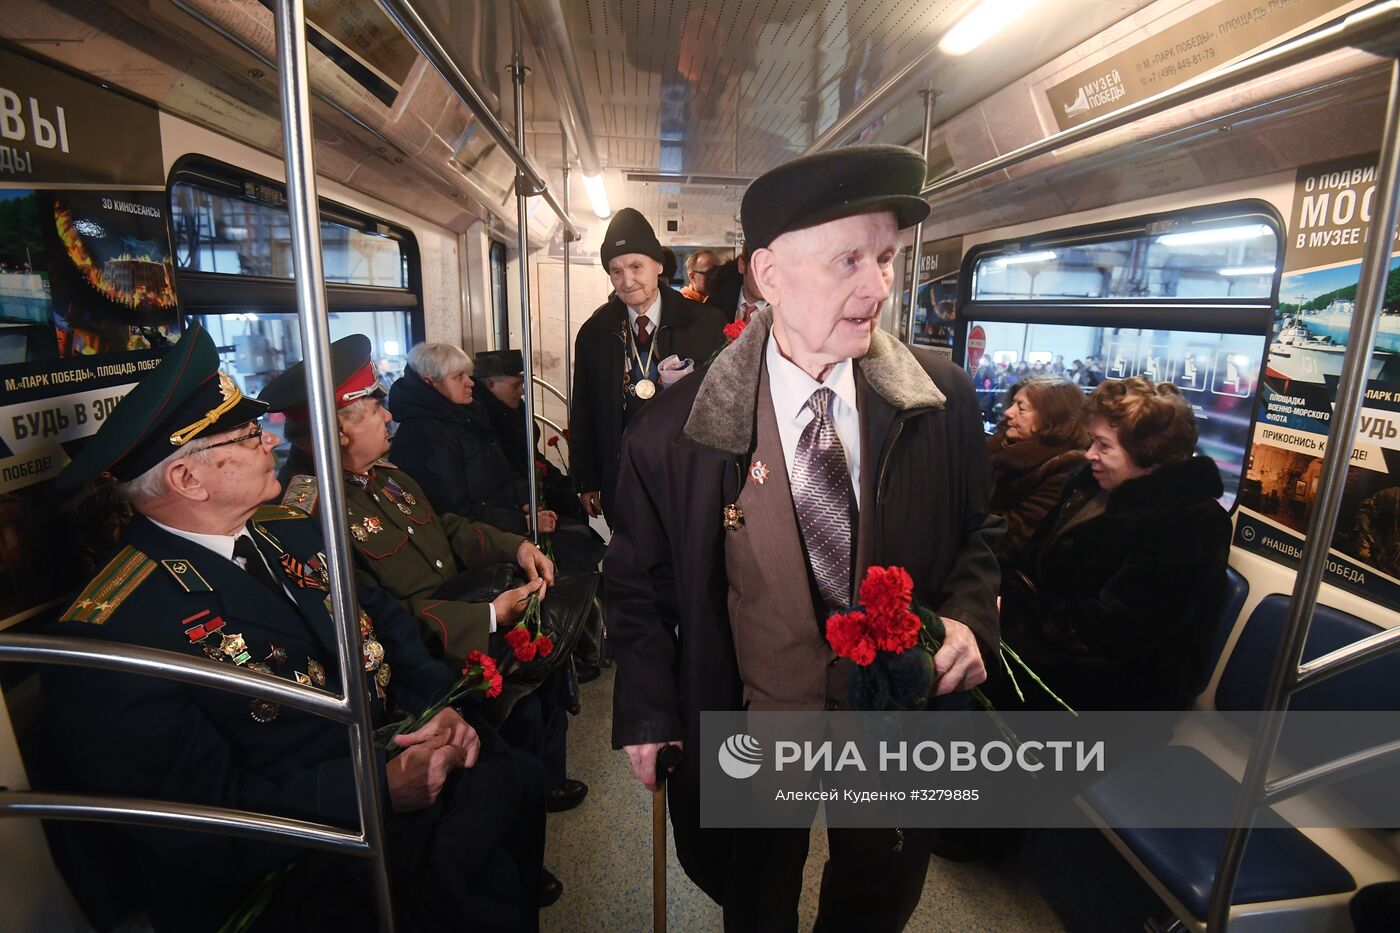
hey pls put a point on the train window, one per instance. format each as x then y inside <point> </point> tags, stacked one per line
<point>233,250</point>
<point>1221,259</point>
<point>1199,288</point>
<point>237,235</point>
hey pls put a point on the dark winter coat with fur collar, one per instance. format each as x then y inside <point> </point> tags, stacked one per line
<point>924,493</point>
<point>1027,478</point>
<point>1116,611</point>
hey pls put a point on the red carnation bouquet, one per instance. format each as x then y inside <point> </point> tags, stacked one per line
<point>526,640</point>
<point>892,640</point>
<point>479,675</point>
<point>731,334</point>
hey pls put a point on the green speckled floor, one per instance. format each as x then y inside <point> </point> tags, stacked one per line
<point>602,852</point>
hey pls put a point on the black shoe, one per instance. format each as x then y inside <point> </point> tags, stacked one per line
<point>551,888</point>
<point>566,796</point>
<point>587,673</point>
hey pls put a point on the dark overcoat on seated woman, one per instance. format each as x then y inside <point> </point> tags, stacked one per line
<point>1039,443</point>
<point>1113,601</point>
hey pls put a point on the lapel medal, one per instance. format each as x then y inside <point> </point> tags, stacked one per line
<point>263,711</point>
<point>645,389</point>
<point>758,473</point>
<point>373,525</point>
<point>302,679</point>
<point>733,517</point>
<point>359,533</point>
<point>317,672</point>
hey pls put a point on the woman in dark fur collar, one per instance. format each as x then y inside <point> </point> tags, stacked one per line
<point>1112,601</point>
<point>1039,443</point>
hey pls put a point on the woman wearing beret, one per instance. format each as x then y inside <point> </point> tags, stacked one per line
<point>1112,601</point>
<point>1039,443</point>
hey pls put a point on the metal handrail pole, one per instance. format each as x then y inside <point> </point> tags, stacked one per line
<point>1329,772</point>
<point>549,387</point>
<point>918,256</point>
<point>313,318</point>
<point>417,31</point>
<point>1348,656</point>
<point>156,662</point>
<point>1351,391</point>
<point>522,209</point>
<point>548,423</point>
<point>568,322</point>
<point>190,816</point>
<point>872,105</point>
<point>1373,24</point>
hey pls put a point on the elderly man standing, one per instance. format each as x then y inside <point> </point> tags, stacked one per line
<point>205,569</point>
<point>699,266</point>
<point>622,351</point>
<point>841,451</point>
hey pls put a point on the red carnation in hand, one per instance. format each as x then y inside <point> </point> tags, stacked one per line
<point>732,331</point>
<point>848,636</point>
<point>886,591</point>
<point>521,642</point>
<point>544,645</point>
<point>479,664</point>
<point>895,631</point>
<point>553,441</point>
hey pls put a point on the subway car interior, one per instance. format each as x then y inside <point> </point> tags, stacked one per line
<point>1178,189</point>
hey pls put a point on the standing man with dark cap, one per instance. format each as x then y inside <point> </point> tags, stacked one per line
<point>623,354</point>
<point>840,451</point>
<point>205,569</point>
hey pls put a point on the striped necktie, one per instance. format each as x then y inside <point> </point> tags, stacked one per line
<point>824,502</point>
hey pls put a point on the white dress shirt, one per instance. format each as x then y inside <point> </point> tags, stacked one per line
<point>653,313</point>
<point>790,388</point>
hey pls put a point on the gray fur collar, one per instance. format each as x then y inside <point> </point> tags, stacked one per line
<point>722,416</point>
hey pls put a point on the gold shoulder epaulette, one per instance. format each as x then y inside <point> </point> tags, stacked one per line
<point>277,513</point>
<point>110,587</point>
<point>301,494</point>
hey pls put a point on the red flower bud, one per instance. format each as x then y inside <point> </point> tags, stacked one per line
<point>544,645</point>
<point>553,441</point>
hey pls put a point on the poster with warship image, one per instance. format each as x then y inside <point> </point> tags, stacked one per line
<point>1317,299</point>
<point>87,300</point>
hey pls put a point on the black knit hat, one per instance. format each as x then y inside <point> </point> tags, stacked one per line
<point>833,184</point>
<point>629,232</point>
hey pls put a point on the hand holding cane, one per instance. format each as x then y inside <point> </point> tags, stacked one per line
<point>667,760</point>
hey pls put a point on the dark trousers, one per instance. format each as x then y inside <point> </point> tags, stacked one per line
<point>471,860</point>
<point>539,726</point>
<point>872,881</point>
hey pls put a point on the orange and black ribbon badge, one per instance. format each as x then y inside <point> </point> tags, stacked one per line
<point>301,574</point>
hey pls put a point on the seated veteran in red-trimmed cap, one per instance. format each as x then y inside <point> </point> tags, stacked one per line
<point>425,558</point>
<point>401,543</point>
<point>205,570</point>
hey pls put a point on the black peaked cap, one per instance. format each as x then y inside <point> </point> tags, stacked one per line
<point>184,397</point>
<point>498,363</point>
<point>829,185</point>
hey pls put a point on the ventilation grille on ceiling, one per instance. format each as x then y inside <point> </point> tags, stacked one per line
<point>682,178</point>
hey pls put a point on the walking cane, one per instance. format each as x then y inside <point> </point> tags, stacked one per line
<point>666,761</point>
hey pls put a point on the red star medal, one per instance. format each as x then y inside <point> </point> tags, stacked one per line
<point>758,473</point>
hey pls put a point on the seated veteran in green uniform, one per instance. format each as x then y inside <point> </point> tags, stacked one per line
<point>422,557</point>
<point>204,569</point>
<point>401,544</point>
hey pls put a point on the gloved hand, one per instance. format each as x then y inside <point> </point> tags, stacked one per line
<point>673,369</point>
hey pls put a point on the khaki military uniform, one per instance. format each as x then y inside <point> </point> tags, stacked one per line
<point>407,549</point>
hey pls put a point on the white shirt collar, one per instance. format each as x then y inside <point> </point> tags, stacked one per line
<point>791,387</point>
<point>653,312</point>
<point>219,544</point>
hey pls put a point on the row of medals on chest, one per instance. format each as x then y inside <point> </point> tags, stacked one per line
<point>233,648</point>
<point>402,499</point>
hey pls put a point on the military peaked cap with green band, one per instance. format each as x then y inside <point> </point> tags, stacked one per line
<point>183,398</point>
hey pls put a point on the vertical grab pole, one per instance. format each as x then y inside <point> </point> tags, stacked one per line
<point>568,328</point>
<point>312,315</point>
<point>929,96</point>
<point>523,190</point>
<point>1351,393</point>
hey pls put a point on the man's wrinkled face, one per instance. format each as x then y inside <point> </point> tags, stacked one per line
<point>635,279</point>
<point>241,475</point>
<point>509,389</point>
<point>365,440</point>
<point>827,285</point>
